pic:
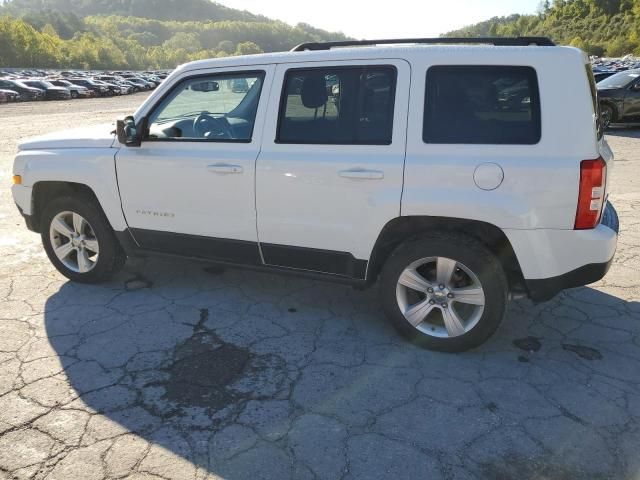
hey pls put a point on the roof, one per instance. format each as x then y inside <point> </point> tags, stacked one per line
<point>399,51</point>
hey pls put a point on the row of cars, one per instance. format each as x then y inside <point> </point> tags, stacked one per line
<point>32,85</point>
<point>607,67</point>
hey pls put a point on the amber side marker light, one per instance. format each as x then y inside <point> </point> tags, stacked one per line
<point>17,180</point>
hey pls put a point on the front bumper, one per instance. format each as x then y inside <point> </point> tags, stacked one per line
<point>22,199</point>
<point>28,220</point>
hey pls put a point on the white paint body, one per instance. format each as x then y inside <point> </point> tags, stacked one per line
<point>296,195</point>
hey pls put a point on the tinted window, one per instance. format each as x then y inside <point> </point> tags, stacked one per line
<point>338,106</point>
<point>482,105</point>
<point>212,108</point>
<point>620,80</point>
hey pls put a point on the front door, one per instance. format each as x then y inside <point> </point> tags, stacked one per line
<point>189,188</point>
<point>329,175</point>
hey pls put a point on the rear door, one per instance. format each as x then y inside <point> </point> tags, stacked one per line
<point>329,175</point>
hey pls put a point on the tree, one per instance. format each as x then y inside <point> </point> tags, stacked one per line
<point>189,42</point>
<point>247,48</point>
<point>226,46</point>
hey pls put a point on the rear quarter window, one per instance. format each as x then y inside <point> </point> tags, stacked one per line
<point>482,105</point>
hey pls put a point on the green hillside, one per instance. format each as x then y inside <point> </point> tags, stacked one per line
<point>179,10</point>
<point>600,27</point>
<point>137,34</point>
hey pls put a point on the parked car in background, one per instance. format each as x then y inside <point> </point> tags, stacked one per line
<point>51,91</point>
<point>25,91</point>
<point>599,76</point>
<point>7,96</point>
<point>113,89</point>
<point>100,90</point>
<point>239,85</point>
<point>77,91</point>
<point>142,84</point>
<point>619,98</point>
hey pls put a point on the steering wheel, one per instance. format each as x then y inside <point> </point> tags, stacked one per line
<point>207,126</point>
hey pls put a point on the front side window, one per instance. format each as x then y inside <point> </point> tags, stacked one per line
<point>482,105</point>
<point>351,105</point>
<point>209,108</point>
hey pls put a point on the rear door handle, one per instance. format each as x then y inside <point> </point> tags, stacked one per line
<point>362,174</point>
<point>224,168</point>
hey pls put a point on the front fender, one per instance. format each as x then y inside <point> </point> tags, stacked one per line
<point>94,168</point>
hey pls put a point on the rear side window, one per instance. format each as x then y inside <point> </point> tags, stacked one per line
<point>482,105</point>
<point>352,105</point>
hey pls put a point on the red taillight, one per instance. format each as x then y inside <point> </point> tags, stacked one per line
<point>593,176</point>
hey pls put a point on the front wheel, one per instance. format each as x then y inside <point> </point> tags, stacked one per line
<point>79,240</point>
<point>445,292</point>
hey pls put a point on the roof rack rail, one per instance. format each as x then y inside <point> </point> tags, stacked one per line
<point>497,41</point>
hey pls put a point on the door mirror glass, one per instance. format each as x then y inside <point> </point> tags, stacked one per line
<point>207,86</point>
<point>636,87</point>
<point>128,132</point>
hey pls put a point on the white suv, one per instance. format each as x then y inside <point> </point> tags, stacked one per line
<point>457,176</point>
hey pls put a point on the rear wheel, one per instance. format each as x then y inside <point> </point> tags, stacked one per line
<point>444,292</point>
<point>74,94</point>
<point>606,115</point>
<point>79,240</point>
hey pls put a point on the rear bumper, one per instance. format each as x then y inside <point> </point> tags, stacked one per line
<point>570,258</point>
<point>545,289</point>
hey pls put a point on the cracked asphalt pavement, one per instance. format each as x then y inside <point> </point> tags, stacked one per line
<point>177,370</point>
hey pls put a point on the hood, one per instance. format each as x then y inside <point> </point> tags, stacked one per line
<point>97,136</point>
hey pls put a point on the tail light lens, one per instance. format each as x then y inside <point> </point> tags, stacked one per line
<point>593,176</point>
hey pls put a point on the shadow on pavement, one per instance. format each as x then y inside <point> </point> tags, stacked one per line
<point>250,375</point>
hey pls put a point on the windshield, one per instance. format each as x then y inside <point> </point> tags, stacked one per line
<point>619,80</point>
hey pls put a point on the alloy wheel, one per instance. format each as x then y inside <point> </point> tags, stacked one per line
<point>74,242</point>
<point>440,297</point>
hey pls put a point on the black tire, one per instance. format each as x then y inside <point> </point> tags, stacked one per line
<point>474,256</point>
<point>111,257</point>
<point>74,94</point>
<point>606,116</point>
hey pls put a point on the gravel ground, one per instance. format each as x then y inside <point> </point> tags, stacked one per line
<point>176,370</point>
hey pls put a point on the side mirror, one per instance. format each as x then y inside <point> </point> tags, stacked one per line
<point>128,133</point>
<point>636,87</point>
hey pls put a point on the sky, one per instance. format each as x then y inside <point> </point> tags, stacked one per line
<point>388,19</point>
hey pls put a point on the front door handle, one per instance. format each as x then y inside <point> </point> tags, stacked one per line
<point>362,174</point>
<point>224,168</point>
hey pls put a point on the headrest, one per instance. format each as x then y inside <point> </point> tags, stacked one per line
<point>314,90</point>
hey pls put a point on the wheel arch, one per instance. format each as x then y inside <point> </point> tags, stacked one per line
<point>45,191</point>
<point>400,229</point>
<point>614,108</point>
